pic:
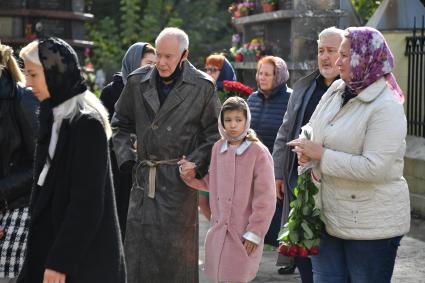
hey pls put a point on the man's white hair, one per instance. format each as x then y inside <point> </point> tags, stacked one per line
<point>177,33</point>
<point>332,31</point>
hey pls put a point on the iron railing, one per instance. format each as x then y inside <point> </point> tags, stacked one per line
<point>415,52</point>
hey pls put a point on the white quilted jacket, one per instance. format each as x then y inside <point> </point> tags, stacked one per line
<point>363,194</point>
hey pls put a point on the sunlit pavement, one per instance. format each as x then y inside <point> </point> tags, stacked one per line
<point>410,262</point>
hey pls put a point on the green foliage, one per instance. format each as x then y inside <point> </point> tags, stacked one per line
<point>366,8</point>
<point>130,19</point>
<point>206,22</point>
<point>304,227</point>
<point>107,52</point>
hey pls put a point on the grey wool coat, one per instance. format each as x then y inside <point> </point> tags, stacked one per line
<point>161,242</point>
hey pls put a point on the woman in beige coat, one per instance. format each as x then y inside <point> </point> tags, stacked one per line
<point>357,143</point>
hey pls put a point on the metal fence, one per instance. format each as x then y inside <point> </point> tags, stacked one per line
<point>415,52</point>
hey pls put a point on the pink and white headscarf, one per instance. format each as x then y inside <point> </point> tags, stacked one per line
<point>371,59</point>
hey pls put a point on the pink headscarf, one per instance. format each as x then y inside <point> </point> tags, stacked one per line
<point>370,59</point>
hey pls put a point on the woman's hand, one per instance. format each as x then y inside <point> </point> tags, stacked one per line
<point>51,276</point>
<point>306,150</point>
<point>187,169</point>
<point>249,246</point>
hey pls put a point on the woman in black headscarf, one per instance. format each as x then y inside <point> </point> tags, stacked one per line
<point>138,55</point>
<point>74,234</point>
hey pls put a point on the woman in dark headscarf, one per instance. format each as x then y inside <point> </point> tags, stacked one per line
<point>138,55</point>
<point>357,148</point>
<point>74,234</point>
<point>218,67</point>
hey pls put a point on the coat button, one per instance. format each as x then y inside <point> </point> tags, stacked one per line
<point>353,196</point>
<point>229,199</point>
<point>154,126</point>
<point>169,128</point>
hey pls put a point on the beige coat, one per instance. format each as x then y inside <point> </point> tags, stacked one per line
<point>363,193</point>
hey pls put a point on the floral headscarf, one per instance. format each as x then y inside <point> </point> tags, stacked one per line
<point>371,59</point>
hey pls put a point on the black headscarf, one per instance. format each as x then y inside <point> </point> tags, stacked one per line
<point>64,81</point>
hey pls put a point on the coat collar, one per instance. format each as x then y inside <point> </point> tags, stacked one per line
<point>188,75</point>
<point>370,93</point>
<point>239,151</point>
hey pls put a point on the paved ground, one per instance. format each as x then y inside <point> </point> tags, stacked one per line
<point>410,262</point>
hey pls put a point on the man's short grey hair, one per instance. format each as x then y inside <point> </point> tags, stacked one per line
<point>332,31</point>
<point>175,32</point>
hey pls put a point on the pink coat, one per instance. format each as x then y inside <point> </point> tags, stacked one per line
<point>242,199</point>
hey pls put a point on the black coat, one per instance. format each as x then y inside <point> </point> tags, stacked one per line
<point>18,123</point>
<point>122,179</point>
<point>74,226</point>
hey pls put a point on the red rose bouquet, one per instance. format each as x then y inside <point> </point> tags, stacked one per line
<point>234,88</point>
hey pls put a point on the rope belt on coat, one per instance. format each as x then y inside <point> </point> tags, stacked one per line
<point>152,164</point>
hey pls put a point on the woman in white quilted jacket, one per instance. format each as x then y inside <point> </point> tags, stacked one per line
<point>356,138</point>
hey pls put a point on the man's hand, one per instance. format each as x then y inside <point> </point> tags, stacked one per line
<point>187,169</point>
<point>280,186</point>
<point>249,246</point>
<point>51,276</point>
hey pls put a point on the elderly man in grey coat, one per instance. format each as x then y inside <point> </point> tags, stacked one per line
<point>306,94</point>
<point>173,109</point>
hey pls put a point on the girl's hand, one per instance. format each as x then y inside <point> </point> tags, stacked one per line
<point>307,150</point>
<point>249,246</point>
<point>51,276</point>
<point>187,169</point>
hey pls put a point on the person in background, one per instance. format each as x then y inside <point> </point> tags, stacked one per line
<point>220,69</point>
<point>18,127</point>
<point>138,55</point>
<point>267,106</point>
<point>355,141</point>
<point>241,183</point>
<point>74,232</point>
<point>306,95</point>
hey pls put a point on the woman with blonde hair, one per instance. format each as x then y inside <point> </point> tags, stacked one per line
<point>74,234</point>
<point>17,130</point>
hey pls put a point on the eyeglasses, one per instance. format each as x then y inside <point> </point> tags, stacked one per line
<point>211,70</point>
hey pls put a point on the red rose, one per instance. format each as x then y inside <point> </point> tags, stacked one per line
<point>293,250</point>
<point>314,250</point>
<point>283,250</point>
<point>302,251</point>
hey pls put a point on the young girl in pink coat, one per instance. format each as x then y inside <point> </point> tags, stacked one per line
<point>242,196</point>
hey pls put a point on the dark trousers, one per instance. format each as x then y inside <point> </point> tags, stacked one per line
<point>304,267</point>
<point>360,261</point>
